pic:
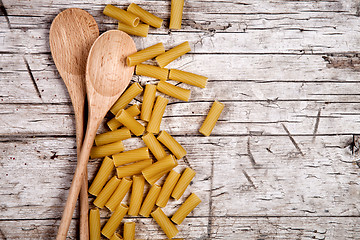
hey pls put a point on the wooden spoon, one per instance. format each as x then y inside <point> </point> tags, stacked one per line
<point>107,76</point>
<point>72,34</point>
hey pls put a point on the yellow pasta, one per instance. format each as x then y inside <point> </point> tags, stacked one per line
<point>148,102</point>
<point>116,236</point>
<point>191,202</point>
<point>183,183</point>
<point>102,176</point>
<point>94,224</point>
<point>106,150</point>
<point>157,114</point>
<point>188,78</point>
<point>177,7</point>
<point>132,169</point>
<point>133,111</point>
<point>152,71</point>
<point>126,98</point>
<point>211,119</point>
<point>140,30</point>
<point>171,144</point>
<point>159,175</point>
<point>129,122</point>
<point>131,156</point>
<point>113,136</point>
<point>114,221</point>
<point>172,54</point>
<point>119,194</point>
<point>173,91</point>
<point>150,200</point>
<point>129,230</point>
<point>121,15</point>
<point>164,222</point>
<point>167,188</point>
<point>153,144</point>
<point>160,166</point>
<point>145,16</point>
<point>106,193</point>
<point>145,54</point>
<point>137,193</point>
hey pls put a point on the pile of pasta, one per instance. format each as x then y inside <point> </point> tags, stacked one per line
<point>147,165</point>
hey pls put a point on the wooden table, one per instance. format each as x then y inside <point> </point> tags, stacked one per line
<point>281,162</point>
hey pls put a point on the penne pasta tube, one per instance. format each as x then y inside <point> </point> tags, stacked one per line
<point>145,16</point>
<point>106,150</point>
<point>191,202</point>
<point>164,222</point>
<point>114,221</point>
<point>113,136</point>
<point>153,144</point>
<point>133,111</point>
<point>211,119</point>
<point>176,13</point>
<point>119,194</point>
<point>150,200</point>
<point>157,115</point>
<point>160,166</point>
<point>140,30</point>
<point>148,102</point>
<point>188,78</point>
<point>137,193</point>
<point>131,156</point>
<point>94,224</point>
<point>102,176</point>
<point>173,91</point>
<point>129,231</point>
<point>156,177</point>
<point>126,98</point>
<point>183,183</point>
<point>106,193</point>
<point>121,15</point>
<point>116,236</point>
<point>152,71</point>
<point>171,144</point>
<point>167,188</point>
<point>145,54</point>
<point>172,54</point>
<point>132,169</point>
<point>129,122</point>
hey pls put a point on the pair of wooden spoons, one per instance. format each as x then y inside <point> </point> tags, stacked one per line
<point>96,67</point>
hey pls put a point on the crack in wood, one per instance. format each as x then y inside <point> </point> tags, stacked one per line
<point>4,12</point>
<point>32,77</point>
<point>292,139</point>
<point>251,157</point>
<point>248,178</point>
<point>2,235</point>
<point>316,125</point>
<point>210,201</point>
<point>186,161</point>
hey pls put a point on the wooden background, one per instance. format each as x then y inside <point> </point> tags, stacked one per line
<point>281,162</point>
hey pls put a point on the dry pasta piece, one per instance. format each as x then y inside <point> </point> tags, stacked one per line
<point>102,176</point>
<point>188,78</point>
<point>133,111</point>
<point>160,166</point>
<point>119,194</point>
<point>129,122</point>
<point>183,183</point>
<point>116,236</point>
<point>106,193</point>
<point>126,97</point>
<point>172,54</point>
<point>121,15</point>
<point>132,169</point>
<point>177,7</point>
<point>152,71</point>
<point>211,119</point>
<point>113,136</point>
<point>157,114</point>
<point>137,193</point>
<point>173,91</point>
<point>148,102</point>
<point>153,144</point>
<point>140,30</point>
<point>167,188</point>
<point>191,202</point>
<point>106,150</point>
<point>131,156</point>
<point>159,175</point>
<point>171,144</point>
<point>145,54</point>
<point>164,222</point>
<point>150,200</point>
<point>145,16</point>
<point>114,221</point>
<point>129,231</point>
<point>94,224</point>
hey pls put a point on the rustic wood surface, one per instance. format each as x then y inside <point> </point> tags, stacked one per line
<point>282,162</point>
